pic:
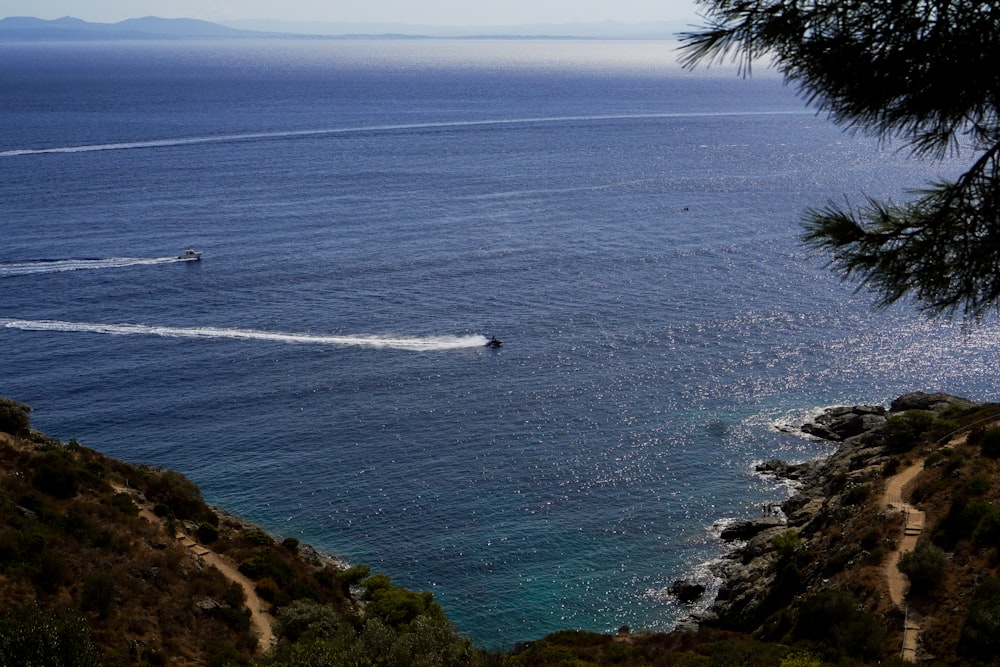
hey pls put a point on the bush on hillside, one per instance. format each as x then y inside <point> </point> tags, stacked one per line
<point>396,606</point>
<point>207,533</point>
<point>963,517</point>
<point>904,431</point>
<point>925,566</point>
<point>987,531</point>
<point>176,496</point>
<point>834,618</point>
<point>427,642</point>
<point>265,564</point>
<point>14,417</point>
<point>352,576</point>
<point>307,619</point>
<point>121,502</point>
<point>990,443</point>
<point>56,473</point>
<point>980,638</point>
<point>31,636</point>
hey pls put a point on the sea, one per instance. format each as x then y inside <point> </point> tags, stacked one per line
<point>370,213</point>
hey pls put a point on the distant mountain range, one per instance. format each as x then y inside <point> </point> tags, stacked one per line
<point>22,28</point>
<point>606,30</point>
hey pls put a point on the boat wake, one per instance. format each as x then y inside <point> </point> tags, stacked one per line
<point>410,343</point>
<point>296,134</point>
<point>8,270</point>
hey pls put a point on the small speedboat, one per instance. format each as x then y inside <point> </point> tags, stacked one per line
<point>494,343</point>
<point>191,255</point>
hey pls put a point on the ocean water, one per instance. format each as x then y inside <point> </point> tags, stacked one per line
<point>370,211</point>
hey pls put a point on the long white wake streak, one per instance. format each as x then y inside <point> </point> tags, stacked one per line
<point>292,134</point>
<point>59,265</point>
<point>410,343</point>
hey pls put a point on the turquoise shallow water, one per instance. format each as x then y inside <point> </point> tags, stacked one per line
<point>369,212</point>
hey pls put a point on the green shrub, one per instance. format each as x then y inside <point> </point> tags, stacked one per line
<point>980,637</point>
<point>904,431</point>
<point>235,619</point>
<point>977,485</point>
<point>207,533</point>
<point>352,576</point>
<point>935,457</point>
<point>397,606</point>
<point>257,537</point>
<point>925,490</point>
<point>941,428</point>
<point>309,620</point>
<point>327,577</point>
<point>175,495</point>
<point>925,566</point>
<point>801,659</point>
<point>50,571</point>
<point>97,594</point>
<point>987,530</point>
<point>962,519</point>
<point>990,444</point>
<point>834,618</point>
<point>56,474</point>
<point>14,417</point>
<point>787,544</point>
<point>956,462</point>
<point>30,636</point>
<point>787,568</point>
<point>121,502</point>
<point>267,589</point>
<point>265,564</point>
<point>856,494</point>
<point>872,538</point>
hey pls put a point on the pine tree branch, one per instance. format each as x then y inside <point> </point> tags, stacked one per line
<point>943,249</point>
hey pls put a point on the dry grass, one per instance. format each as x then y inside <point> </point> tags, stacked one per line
<point>69,541</point>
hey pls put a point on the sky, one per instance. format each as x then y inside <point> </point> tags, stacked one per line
<point>425,12</point>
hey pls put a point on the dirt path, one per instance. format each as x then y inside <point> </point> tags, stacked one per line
<point>261,620</point>
<point>898,583</point>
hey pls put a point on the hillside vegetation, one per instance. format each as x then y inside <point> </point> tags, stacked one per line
<point>108,563</point>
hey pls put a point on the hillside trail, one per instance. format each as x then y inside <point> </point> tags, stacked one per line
<point>261,621</point>
<point>898,582</point>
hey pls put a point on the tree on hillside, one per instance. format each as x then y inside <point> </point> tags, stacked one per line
<point>921,71</point>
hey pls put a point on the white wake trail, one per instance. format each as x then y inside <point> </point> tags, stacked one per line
<point>410,343</point>
<point>59,265</point>
<point>292,134</point>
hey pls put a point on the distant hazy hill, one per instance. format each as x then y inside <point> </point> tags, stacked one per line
<point>22,28</point>
<point>19,28</point>
<point>608,30</point>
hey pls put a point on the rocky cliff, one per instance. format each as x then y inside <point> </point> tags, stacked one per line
<point>832,523</point>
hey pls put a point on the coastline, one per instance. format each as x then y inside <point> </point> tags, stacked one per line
<point>748,573</point>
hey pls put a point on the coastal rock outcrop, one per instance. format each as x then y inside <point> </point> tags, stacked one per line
<point>758,573</point>
<point>745,530</point>
<point>686,591</point>
<point>841,423</point>
<point>919,400</point>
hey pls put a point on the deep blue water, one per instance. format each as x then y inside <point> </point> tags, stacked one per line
<point>369,211</point>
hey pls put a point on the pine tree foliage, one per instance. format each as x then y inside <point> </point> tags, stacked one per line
<point>924,72</point>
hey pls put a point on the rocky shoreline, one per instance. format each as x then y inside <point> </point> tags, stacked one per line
<point>750,571</point>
